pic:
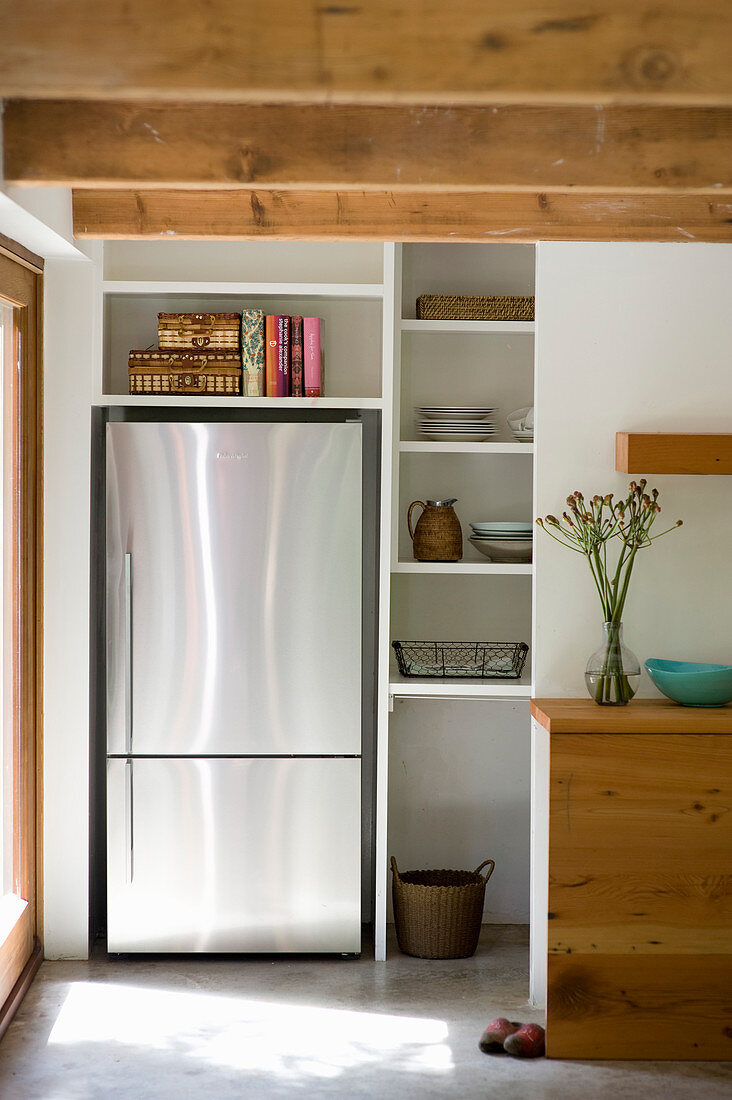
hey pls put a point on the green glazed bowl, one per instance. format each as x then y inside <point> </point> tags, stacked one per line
<point>690,683</point>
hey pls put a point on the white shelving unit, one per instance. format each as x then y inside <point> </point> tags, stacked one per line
<point>354,322</point>
<point>420,446</point>
<point>401,687</point>
<point>244,290</point>
<point>377,358</point>
<point>212,401</point>
<point>489,568</point>
<point>440,363</point>
<point>470,328</point>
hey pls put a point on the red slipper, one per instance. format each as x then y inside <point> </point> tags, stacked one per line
<point>526,1042</point>
<point>494,1036</point>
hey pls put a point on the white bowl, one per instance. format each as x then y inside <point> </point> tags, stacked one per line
<point>500,551</point>
<point>500,525</point>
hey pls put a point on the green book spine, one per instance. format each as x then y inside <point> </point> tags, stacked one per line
<point>252,352</point>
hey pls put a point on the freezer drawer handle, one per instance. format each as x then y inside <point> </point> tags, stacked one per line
<point>129,829</point>
<point>128,652</point>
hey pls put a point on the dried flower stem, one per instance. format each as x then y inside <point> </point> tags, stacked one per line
<point>590,529</point>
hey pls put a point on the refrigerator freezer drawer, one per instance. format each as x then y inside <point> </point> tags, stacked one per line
<point>234,855</point>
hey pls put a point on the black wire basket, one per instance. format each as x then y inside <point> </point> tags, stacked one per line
<point>462,660</point>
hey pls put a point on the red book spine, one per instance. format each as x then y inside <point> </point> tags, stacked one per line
<point>270,355</point>
<point>296,356</point>
<point>283,356</point>
<point>312,362</point>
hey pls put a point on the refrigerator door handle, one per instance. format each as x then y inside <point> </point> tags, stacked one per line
<point>128,653</point>
<point>129,831</point>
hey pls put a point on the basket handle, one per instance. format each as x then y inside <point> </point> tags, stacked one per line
<point>479,869</point>
<point>394,868</point>
<point>412,506</point>
<point>208,319</point>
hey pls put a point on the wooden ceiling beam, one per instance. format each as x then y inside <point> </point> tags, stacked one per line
<point>402,216</point>
<point>624,148</point>
<point>383,51</point>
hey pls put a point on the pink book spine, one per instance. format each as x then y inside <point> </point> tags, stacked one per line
<point>312,356</point>
<point>296,382</point>
<point>283,356</point>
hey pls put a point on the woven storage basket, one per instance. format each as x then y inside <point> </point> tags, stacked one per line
<point>467,307</point>
<point>199,330</point>
<point>194,371</point>
<point>438,913</point>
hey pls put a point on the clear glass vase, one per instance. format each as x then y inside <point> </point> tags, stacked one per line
<point>613,671</point>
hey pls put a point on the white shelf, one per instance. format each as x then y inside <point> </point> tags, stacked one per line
<point>426,687</point>
<point>250,290</point>
<point>420,446</point>
<point>492,568</point>
<point>476,328</point>
<point>208,401</point>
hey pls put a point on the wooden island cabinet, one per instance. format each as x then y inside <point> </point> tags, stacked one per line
<point>640,880</point>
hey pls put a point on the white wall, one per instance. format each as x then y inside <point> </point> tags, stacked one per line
<point>631,337</point>
<point>68,358</point>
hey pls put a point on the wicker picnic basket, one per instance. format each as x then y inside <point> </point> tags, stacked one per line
<point>192,371</point>
<point>471,307</point>
<point>199,330</point>
<point>438,913</point>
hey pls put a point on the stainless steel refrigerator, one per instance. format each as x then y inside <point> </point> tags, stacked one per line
<point>233,602</point>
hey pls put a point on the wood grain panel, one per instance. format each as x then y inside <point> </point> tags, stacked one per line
<point>658,453</point>
<point>625,148</point>
<point>610,1006</point>
<point>642,716</point>
<point>384,51</point>
<point>401,216</point>
<point>640,805</point>
<point>16,950</point>
<point>640,892</point>
<point>650,914</point>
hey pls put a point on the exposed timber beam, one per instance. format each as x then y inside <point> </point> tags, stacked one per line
<point>405,216</point>
<point>383,51</point>
<point>119,145</point>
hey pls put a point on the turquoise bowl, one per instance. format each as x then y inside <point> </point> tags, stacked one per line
<point>690,683</point>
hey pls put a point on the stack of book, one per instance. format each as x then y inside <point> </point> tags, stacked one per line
<point>281,355</point>
<point>230,353</point>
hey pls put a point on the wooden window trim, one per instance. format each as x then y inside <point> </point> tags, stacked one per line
<point>20,254</point>
<point>21,285</point>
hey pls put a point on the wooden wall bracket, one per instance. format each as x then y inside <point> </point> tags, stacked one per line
<point>659,453</point>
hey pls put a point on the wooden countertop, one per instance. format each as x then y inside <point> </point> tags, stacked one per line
<point>640,716</point>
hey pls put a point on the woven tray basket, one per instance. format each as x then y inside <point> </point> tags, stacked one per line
<point>193,371</point>
<point>438,913</point>
<point>199,330</point>
<point>467,307</point>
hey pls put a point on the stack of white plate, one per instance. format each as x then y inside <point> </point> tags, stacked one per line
<point>455,423</point>
<point>503,541</point>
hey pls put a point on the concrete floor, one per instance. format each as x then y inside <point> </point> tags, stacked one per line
<point>264,1028</point>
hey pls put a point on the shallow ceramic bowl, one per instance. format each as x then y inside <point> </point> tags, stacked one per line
<point>499,551</point>
<point>691,683</point>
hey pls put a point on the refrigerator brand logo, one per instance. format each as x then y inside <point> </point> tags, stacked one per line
<point>238,456</point>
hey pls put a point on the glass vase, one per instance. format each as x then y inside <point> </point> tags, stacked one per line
<point>613,671</point>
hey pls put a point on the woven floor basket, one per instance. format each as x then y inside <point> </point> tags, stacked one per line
<point>438,913</point>
<point>473,307</point>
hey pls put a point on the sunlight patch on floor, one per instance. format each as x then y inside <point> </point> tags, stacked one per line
<point>283,1039</point>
